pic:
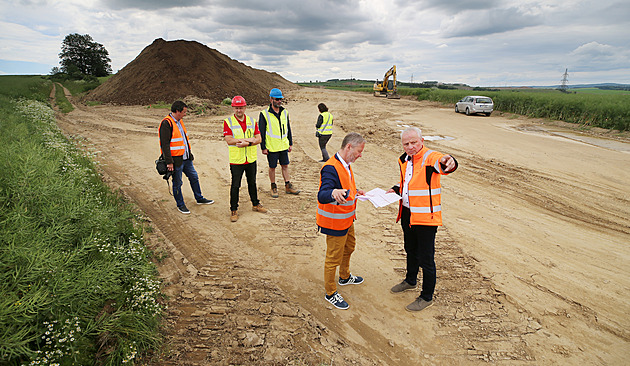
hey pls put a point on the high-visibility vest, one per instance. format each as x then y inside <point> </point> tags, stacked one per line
<point>424,198</point>
<point>241,155</point>
<point>326,127</point>
<point>178,147</point>
<point>335,216</point>
<point>277,132</point>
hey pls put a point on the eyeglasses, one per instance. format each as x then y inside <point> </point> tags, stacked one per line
<point>278,99</point>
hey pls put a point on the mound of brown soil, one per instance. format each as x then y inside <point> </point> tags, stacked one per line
<point>166,71</point>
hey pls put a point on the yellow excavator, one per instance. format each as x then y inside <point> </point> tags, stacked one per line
<point>387,88</point>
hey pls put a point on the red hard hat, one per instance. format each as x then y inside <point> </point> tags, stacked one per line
<point>238,101</point>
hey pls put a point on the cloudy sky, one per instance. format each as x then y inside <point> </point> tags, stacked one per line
<point>479,43</point>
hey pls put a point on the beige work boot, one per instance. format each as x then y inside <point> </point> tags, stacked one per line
<point>401,287</point>
<point>419,304</point>
<point>234,216</point>
<point>274,190</point>
<point>290,190</point>
<point>259,208</point>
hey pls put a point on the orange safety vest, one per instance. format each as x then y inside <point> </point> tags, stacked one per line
<point>335,216</point>
<point>424,198</point>
<point>177,140</point>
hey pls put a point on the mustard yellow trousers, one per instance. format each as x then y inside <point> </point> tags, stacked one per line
<point>338,251</point>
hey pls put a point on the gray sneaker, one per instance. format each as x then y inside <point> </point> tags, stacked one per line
<point>401,287</point>
<point>419,304</point>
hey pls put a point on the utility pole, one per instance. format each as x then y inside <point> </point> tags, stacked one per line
<point>564,82</point>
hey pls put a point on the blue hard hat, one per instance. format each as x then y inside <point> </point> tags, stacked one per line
<point>275,93</point>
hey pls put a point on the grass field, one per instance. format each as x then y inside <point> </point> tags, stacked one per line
<point>78,284</point>
<point>600,91</point>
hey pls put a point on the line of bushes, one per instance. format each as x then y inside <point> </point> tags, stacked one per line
<point>77,282</point>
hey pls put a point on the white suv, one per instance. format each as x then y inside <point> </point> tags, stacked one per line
<point>475,104</point>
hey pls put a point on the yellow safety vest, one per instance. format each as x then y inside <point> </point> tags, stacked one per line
<point>277,132</point>
<point>326,127</point>
<point>241,155</point>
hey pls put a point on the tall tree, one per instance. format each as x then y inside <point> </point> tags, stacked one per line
<point>89,57</point>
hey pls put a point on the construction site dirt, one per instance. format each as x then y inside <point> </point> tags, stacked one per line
<point>532,259</point>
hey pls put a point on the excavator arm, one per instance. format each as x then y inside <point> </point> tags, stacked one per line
<point>388,87</point>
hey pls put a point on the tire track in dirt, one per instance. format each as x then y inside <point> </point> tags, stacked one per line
<point>538,189</point>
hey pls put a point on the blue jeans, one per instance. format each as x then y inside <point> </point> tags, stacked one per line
<point>188,169</point>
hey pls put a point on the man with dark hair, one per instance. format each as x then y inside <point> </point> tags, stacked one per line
<point>336,207</point>
<point>175,149</point>
<point>324,130</point>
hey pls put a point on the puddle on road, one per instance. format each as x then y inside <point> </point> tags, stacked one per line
<point>607,143</point>
<point>597,141</point>
<point>427,138</point>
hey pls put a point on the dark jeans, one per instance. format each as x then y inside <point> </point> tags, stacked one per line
<point>188,169</point>
<point>237,176</point>
<point>323,140</point>
<point>420,249</point>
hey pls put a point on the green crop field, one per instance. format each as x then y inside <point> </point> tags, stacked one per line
<point>599,91</point>
<point>78,284</point>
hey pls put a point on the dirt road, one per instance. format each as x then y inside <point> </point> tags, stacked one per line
<point>533,258</point>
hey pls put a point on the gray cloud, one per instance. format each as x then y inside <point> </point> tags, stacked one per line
<point>475,23</point>
<point>450,6</point>
<point>282,28</point>
<point>600,56</point>
<point>151,4</point>
<point>32,2</point>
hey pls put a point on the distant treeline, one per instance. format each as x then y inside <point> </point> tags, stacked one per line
<point>614,87</point>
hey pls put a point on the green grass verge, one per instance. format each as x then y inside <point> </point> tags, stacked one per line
<point>62,102</point>
<point>78,87</point>
<point>77,282</point>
